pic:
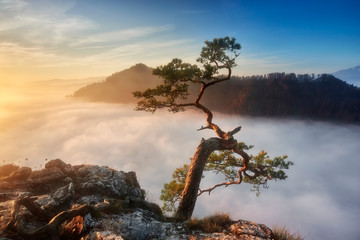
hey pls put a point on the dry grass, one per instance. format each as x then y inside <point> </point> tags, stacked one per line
<point>210,224</point>
<point>282,233</point>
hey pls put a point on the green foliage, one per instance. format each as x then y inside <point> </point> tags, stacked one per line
<point>282,233</point>
<point>171,193</point>
<point>177,75</point>
<point>210,224</point>
<point>225,162</point>
<point>261,169</point>
<point>221,51</point>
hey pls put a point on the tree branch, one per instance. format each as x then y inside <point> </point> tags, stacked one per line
<point>186,105</point>
<point>246,159</point>
<point>218,80</point>
<point>240,172</point>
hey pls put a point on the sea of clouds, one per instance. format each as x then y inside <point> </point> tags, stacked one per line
<point>320,199</point>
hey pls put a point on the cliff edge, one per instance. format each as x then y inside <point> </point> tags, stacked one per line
<point>92,202</point>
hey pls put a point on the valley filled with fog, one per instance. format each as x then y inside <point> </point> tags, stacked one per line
<point>320,199</point>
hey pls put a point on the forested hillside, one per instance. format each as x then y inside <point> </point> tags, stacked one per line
<point>288,95</point>
<point>272,95</point>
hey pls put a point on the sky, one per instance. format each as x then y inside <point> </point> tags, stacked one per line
<point>68,39</point>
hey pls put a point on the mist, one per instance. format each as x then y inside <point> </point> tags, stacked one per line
<point>320,199</point>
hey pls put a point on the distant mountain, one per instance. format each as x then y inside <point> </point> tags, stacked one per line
<point>271,95</point>
<point>350,75</point>
<point>119,86</point>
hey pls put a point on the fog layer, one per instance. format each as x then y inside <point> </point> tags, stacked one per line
<point>320,199</point>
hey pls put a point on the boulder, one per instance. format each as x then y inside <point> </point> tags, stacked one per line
<point>250,230</point>
<point>7,169</point>
<point>46,180</point>
<point>15,179</point>
<point>67,169</point>
<point>55,174</point>
<point>107,182</point>
<point>20,174</point>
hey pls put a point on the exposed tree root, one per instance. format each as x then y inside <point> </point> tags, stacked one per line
<point>49,230</point>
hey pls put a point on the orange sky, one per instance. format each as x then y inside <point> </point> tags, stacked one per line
<point>41,40</point>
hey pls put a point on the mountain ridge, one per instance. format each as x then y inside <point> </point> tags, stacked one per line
<point>350,75</point>
<point>302,96</point>
<point>118,87</point>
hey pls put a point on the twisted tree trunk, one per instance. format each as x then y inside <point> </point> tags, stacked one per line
<point>220,54</point>
<point>193,178</point>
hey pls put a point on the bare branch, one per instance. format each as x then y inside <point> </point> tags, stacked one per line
<point>224,183</point>
<point>246,159</point>
<point>235,131</point>
<point>186,105</point>
<point>240,174</point>
<point>217,185</point>
<point>202,128</point>
<point>198,81</point>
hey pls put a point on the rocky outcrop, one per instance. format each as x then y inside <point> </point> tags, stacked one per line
<point>95,202</point>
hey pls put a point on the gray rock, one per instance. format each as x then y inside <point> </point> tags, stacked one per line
<point>137,225</point>
<point>67,169</point>
<point>64,193</point>
<point>125,215</point>
<point>96,180</point>
<point>141,225</point>
<point>46,180</point>
<point>250,230</point>
<point>55,174</point>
